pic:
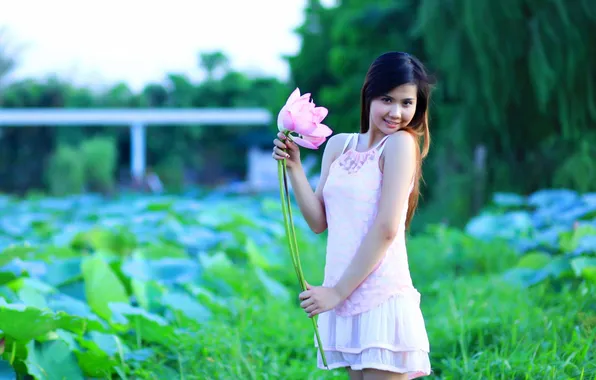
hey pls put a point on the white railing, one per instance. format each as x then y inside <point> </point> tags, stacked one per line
<point>136,119</point>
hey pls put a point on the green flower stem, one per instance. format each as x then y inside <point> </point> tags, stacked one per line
<point>290,233</point>
<point>13,354</point>
<point>292,242</point>
<point>292,230</point>
<point>280,172</point>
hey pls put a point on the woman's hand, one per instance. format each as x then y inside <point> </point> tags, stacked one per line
<point>319,299</point>
<point>291,154</point>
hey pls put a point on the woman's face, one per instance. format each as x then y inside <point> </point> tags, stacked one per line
<point>394,110</point>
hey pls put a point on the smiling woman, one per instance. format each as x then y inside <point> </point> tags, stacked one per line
<point>368,309</point>
<point>395,109</point>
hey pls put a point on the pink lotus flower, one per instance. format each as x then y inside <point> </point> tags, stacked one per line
<point>301,116</point>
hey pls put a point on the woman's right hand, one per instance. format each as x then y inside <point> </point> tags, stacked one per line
<point>291,154</point>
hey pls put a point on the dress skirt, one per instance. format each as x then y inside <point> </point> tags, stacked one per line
<point>390,337</point>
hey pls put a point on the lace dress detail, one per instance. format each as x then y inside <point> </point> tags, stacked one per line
<point>353,161</point>
<point>380,324</point>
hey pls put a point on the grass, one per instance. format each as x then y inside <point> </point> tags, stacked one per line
<point>223,283</point>
<point>479,326</point>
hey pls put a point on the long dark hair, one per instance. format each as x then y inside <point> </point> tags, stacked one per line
<point>387,72</point>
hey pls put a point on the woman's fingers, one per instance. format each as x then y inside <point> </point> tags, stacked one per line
<point>284,148</point>
<point>315,312</point>
<point>286,140</point>
<point>280,144</point>
<point>307,302</point>
<point>280,153</point>
<point>310,308</point>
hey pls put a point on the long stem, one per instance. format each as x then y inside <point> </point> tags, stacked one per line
<point>319,343</point>
<point>293,243</point>
<point>288,222</point>
<point>281,177</point>
<point>292,235</point>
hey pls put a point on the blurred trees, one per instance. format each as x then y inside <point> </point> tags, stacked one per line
<point>211,61</point>
<point>514,108</point>
<point>29,156</point>
<point>515,104</point>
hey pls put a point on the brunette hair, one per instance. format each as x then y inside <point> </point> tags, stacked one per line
<point>387,72</point>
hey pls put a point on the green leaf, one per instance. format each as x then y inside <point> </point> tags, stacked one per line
<point>189,306</point>
<point>95,363</point>
<point>215,303</point>
<point>147,293</point>
<point>99,356</point>
<point>24,323</point>
<point>52,360</point>
<point>570,240</point>
<point>255,255</point>
<point>22,252</point>
<point>585,267</point>
<point>33,297</point>
<point>534,260</point>
<point>272,286</point>
<point>560,267</point>
<point>52,253</point>
<point>7,275</point>
<point>26,282</point>
<point>102,286</point>
<point>166,270</point>
<point>162,250</point>
<point>147,326</point>
<point>75,307</point>
<point>118,241</point>
<point>60,272</point>
<point>160,205</point>
<point>219,268</point>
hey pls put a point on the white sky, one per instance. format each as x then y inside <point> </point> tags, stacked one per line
<point>100,42</point>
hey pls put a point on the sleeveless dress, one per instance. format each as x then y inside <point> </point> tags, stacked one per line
<point>380,325</point>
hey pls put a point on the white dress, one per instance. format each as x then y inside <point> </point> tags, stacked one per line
<point>380,325</point>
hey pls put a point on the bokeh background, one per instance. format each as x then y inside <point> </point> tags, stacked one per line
<point>182,271</point>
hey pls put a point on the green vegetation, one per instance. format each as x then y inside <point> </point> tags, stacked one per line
<point>513,110</point>
<point>28,155</point>
<point>515,100</point>
<point>203,288</point>
<point>201,285</point>
<point>91,167</point>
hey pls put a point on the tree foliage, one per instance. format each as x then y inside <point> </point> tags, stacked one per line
<point>25,152</point>
<point>514,108</point>
<point>515,82</point>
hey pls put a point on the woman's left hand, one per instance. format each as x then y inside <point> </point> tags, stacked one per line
<point>319,299</point>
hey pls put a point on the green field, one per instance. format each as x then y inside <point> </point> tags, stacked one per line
<point>202,287</point>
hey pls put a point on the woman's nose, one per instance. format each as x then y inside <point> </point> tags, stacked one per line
<point>394,111</point>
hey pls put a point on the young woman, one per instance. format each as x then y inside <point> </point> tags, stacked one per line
<point>369,311</point>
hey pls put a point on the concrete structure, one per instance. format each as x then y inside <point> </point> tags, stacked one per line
<point>136,119</point>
